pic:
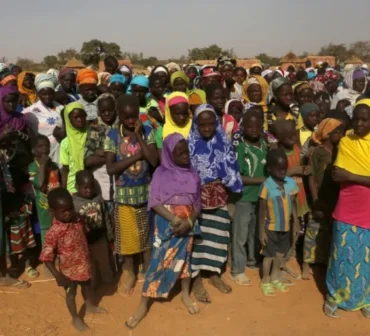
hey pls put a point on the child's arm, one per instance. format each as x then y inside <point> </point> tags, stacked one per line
<point>261,220</point>
<point>295,220</point>
<point>149,151</point>
<point>42,175</point>
<point>117,168</point>
<point>248,181</point>
<point>341,175</point>
<point>65,172</point>
<point>94,161</point>
<point>107,221</point>
<point>60,278</point>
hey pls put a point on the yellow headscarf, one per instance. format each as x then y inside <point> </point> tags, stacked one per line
<point>76,137</point>
<point>353,152</point>
<point>264,88</point>
<point>169,126</point>
<point>179,74</point>
<point>31,94</point>
<point>197,97</point>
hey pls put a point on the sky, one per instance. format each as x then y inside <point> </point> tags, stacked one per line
<point>166,29</point>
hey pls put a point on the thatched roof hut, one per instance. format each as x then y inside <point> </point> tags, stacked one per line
<point>74,63</point>
<point>353,60</point>
<point>290,59</point>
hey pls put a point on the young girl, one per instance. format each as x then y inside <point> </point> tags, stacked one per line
<point>324,192</point>
<point>130,153</point>
<point>44,176</point>
<point>213,157</point>
<point>72,147</point>
<point>66,239</point>
<point>175,198</point>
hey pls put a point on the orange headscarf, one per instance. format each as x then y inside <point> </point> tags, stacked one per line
<point>31,94</point>
<point>327,126</point>
<point>87,76</point>
<point>255,79</point>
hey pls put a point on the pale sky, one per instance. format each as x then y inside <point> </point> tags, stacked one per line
<point>168,29</point>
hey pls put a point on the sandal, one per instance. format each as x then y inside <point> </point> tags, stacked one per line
<point>287,282</point>
<point>366,312</point>
<point>241,279</point>
<point>32,273</point>
<point>132,322</point>
<point>331,311</point>
<point>202,296</point>
<point>15,283</point>
<point>279,286</point>
<point>221,286</point>
<point>267,289</point>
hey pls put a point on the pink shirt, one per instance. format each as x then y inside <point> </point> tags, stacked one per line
<point>230,125</point>
<point>353,206</point>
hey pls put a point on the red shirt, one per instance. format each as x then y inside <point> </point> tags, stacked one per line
<point>68,241</point>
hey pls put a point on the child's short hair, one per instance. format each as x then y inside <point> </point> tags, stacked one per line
<point>57,194</point>
<point>39,137</point>
<point>280,127</point>
<point>274,155</point>
<point>82,175</point>
<point>251,114</point>
<point>127,100</point>
<point>211,88</point>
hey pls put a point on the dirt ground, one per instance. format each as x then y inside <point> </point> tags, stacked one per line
<point>40,311</point>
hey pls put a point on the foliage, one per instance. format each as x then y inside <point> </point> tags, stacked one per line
<point>51,61</point>
<point>339,51</point>
<point>209,53</point>
<point>93,48</point>
<point>266,59</point>
<point>361,49</point>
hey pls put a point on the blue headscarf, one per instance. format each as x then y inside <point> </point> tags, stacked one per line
<point>214,158</point>
<point>138,80</point>
<point>117,78</point>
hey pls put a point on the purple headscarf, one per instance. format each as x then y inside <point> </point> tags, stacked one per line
<point>15,121</point>
<point>172,184</point>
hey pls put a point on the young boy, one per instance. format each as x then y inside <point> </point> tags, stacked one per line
<point>251,154</point>
<point>66,238</point>
<point>91,207</point>
<point>44,176</point>
<point>276,208</point>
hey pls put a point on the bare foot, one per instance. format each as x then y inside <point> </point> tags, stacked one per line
<point>200,292</point>
<point>216,281</point>
<point>291,273</point>
<point>128,283</point>
<point>306,271</point>
<point>92,309</point>
<point>190,305</point>
<point>135,319</point>
<point>79,324</point>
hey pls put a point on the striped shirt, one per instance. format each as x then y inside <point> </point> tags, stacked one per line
<point>279,203</point>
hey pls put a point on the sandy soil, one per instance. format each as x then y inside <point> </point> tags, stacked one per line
<point>40,311</point>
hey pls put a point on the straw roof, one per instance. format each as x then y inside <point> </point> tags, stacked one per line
<point>290,58</point>
<point>75,64</point>
<point>353,60</point>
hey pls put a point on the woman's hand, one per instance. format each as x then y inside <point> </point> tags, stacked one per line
<point>183,228</point>
<point>138,127</point>
<point>341,175</point>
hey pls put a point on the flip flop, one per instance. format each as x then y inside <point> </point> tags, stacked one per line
<point>132,322</point>
<point>241,280</point>
<point>32,273</point>
<point>366,312</point>
<point>202,296</point>
<point>267,289</point>
<point>279,286</point>
<point>330,311</point>
<point>20,284</point>
<point>221,286</point>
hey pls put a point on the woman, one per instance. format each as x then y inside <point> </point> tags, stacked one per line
<point>213,156</point>
<point>67,80</point>
<point>355,84</point>
<point>180,82</point>
<point>175,199</point>
<point>117,85</point>
<point>240,75</point>
<point>26,87</point>
<point>127,72</point>
<point>347,278</point>
<point>303,93</point>
<point>252,93</point>
<point>44,116</point>
<point>177,118</point>
<point>9,118</point>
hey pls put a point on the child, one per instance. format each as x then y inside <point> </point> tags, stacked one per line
<point>73,146</point>
<point>44,176</point>
<point>324,193</point>
<point>285,132</point>
<point>130,152</point>
<point>66,239</point>
<point>311,116</point>
<point>251,154</point>
<point>175,198</point>
<point>276,207</point>
<point>91,207</point>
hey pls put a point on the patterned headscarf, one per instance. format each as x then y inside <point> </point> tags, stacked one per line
<point>31,94</point>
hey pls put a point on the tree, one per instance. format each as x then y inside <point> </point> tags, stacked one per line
<point>361,49</point>
<point>51,61</point>
<point>100,47</point>
<point>26,63</point>
<point>304,55</point>
<point>66,55</point>
<point>266,59</point>
<point>337,50</point>
<point>209,53</point>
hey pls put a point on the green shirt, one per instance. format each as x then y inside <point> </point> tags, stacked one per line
<point>158,136</point>
<point>251,160</point>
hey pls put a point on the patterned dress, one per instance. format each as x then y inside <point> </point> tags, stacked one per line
<point>132,231</point>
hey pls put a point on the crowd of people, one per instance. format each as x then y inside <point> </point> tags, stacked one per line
<point>169,176</point>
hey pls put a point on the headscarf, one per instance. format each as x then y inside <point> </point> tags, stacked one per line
<point>53,72</point>
<point>231,103</point>
<point>170,182</point>
<point>353,154</point>
<point>15,120</point>
<point>3,67</point>
<point>126,69</point>
<point>160,68</point>
<point>266,72</point>
<point>65,71</point>
<point>105,96</point>
<point>7,79</point>
<point>259,80</point>
<point>275,85</point>
<point>76,138</point>
<point>173,67</point>
<point>197,97</point>
<point>31,94</point>
<point>351,76</point>
<point>45,81</point>
<point>307,108</point>
<point>104,78</point>
<point>317,87</point>
<point>214,158</point>
<point>87,76</point>
<point>179,74</point>
<point>117,78</point>
<point>141,81</point>
<point>325,127</point>
<point>170,126</point>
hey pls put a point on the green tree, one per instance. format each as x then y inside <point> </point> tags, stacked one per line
<point>102,48</point>
<point>209,53</point>
<point>26,63</point>
<point>66,55</point>
<point>51,61</point>
<point>266,59</point>
<point>361,49</point>
<point>339,51</point>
